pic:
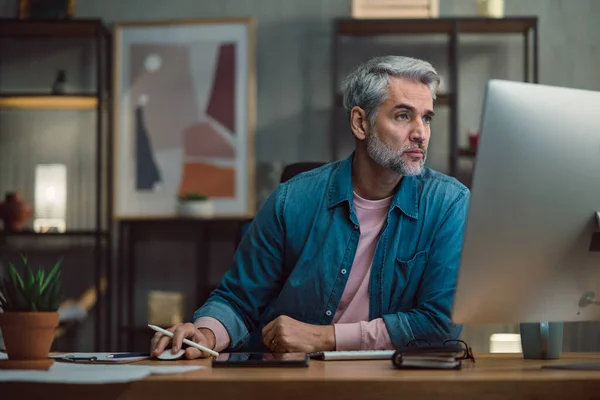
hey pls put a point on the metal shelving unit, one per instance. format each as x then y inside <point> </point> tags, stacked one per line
<point>453,28</point>
<point>99,101</point>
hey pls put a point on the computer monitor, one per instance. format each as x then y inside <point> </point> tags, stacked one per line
<point>530,252</point>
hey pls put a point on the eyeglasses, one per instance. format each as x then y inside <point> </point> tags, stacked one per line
<point>466,351</point>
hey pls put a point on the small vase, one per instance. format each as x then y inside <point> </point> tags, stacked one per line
<point>58,87</point>
<point>14,212</point>
<point>28,337</point>
<point>490,8</point>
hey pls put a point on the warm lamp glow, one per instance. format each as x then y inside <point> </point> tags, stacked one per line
<point>50,198</point>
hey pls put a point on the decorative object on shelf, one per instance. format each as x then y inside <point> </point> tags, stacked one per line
<point>14,212</point>
<point>195,205</point>
<point>473,139</point>
<point>46,9</point>
<point>29,316</point>
<point>395,9</point>
<point>165,308</point>
<point>60,82</point>
<point>50,198</point>
<point>490,8</point>
<point>184,116</point>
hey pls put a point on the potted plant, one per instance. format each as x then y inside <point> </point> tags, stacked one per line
<point>195,205</point>
<point>29,316</point>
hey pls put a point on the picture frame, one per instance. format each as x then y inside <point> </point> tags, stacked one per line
<point>184,118</point>
<point>46,9</point>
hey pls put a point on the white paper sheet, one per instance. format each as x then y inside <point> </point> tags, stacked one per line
<point>66,372</point>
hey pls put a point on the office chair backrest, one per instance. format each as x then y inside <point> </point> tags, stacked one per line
<point>292,170</point>
<point>288,173</point>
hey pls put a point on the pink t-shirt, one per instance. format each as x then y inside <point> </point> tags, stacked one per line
<point>353,330</point>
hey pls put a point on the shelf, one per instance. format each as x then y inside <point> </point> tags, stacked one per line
<point>443,99</point>
<point>85,102</point>
<point>75,28</point>
<point>177,219</point>
<point>366,27</point>
<point>467,152</point>
<point>72,233</point>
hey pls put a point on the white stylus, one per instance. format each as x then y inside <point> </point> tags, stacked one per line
<point>186,341</point>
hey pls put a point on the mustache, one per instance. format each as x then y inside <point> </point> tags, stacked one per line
<point>420,146</point>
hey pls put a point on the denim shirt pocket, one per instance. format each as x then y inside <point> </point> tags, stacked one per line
<point>407,276</point>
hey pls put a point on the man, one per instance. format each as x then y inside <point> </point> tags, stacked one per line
<point>358,254</point>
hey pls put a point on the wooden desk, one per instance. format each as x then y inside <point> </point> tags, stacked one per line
<point>491,377</point>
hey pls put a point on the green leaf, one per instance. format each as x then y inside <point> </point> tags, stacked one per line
<point>40,275</point>
<point>17,297</point>
<point>24,258</point>
<point>46,299</point>
<point>29,280</point>
<point>14,275</point>
<point>3,301</point>
<point>51,276</point>
<point>8,300</point>
<point>56,297</point>
<point>34,297</point>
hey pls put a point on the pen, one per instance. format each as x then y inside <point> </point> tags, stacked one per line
<point>186,341</point>
<point>75,359</point>
<point>127,355</point>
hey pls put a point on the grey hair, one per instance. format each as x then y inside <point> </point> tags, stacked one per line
<point>367,86</point>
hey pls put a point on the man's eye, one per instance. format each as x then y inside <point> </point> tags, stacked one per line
<point>402,116</point>
<point>427,119</point>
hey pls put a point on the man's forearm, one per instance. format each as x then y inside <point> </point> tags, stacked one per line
<point>420,325</point>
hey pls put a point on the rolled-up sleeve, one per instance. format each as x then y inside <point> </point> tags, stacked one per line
<point>363,335</point>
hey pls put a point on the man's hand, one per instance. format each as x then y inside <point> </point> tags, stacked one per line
<point>285,335</point>
<point>205,337</point>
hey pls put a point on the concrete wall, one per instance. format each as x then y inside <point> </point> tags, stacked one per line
<point>294,100</point>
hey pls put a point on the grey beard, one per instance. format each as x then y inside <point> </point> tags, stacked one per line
<point>389,158</point>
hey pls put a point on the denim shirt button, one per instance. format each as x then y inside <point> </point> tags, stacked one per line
<point>328,313</point>
<point>343,271</point>
<point>355,227</point>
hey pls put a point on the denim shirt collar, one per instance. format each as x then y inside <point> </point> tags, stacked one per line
<point>341,190</point>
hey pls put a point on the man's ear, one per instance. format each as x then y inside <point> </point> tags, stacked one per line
<point>359,123</point>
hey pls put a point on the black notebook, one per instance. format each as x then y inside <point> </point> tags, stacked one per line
<point>428,357</point>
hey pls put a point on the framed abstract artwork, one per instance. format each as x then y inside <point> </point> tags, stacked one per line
<point>184,116</point>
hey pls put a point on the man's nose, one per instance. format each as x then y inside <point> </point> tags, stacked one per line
<point>417,132</point>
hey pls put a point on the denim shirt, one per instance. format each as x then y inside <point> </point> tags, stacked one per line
<point>296,257</point>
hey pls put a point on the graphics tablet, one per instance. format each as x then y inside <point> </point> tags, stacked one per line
<point>258,360</point>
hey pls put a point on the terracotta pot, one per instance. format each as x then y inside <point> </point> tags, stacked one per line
<point>28,335</point>
<point>14,212</point>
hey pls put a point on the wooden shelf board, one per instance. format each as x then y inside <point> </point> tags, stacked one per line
<point>49,102</point>
<point>70,233</point>
<point>31,28</point>
<point>366,27</point>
